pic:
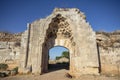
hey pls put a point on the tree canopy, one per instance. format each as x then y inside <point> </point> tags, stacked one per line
<point>64,54</point>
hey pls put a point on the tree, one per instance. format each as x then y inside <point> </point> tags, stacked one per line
<point>65,54</point>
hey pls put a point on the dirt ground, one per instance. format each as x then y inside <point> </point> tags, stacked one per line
<point>58,75</point>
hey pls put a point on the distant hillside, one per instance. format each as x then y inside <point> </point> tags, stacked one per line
<point>9,37</point>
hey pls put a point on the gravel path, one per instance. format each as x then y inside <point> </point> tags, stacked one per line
<point>57,75</point>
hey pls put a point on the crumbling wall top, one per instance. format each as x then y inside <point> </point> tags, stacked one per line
<point>66,9</point>
<point>70,10</point>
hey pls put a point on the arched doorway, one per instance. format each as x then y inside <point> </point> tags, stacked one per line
<point>58,58</point>
<point>58,33</point>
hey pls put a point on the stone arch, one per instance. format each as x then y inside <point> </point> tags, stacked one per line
<point>64,27</point>
<point>58,33</point>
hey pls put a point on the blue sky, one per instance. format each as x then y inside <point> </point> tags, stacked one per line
<point>103,15</point>
<point>56,51</point>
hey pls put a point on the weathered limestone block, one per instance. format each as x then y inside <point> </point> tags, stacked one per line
<point>9,52</point>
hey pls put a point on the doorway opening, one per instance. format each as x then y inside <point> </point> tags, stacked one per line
<point>58,58</point>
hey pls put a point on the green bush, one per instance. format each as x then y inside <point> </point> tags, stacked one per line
<point>3,66</point>
<point>15,69</point>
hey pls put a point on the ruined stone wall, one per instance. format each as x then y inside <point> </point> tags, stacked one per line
<point>83,57</point>
<point>10,37</point>
<point>9,47</point>
<point>64,27</point>
<point>109,51</point>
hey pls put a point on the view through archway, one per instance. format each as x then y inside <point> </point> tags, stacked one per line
<point>58,58</point>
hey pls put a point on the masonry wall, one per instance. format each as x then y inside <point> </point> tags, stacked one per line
<point>84,58</point>
<point>109,51</point>
<point>9,48</point>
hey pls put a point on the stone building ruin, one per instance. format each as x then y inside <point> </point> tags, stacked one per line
<point>9,47</point>
<point>64,27</point>
<point>90,52</point>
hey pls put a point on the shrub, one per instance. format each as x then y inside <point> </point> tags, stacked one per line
<point>2,75</point>
<point>3,66</point>
<point>15,69</point>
